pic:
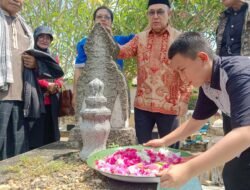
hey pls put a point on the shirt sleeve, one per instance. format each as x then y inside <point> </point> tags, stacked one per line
<point>81,56</point>
<point>238,89</point>
<point>43,83</point>
<point>205,107</point>
<point>129,49</point>
<point>121,40</point>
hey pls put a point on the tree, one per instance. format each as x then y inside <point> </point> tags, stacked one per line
<point>72,19</point>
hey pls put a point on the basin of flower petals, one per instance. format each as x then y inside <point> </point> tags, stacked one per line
<point>134,162</point>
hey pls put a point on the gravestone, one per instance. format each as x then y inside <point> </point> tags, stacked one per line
<point>101,51</point>
<point>95,125</point>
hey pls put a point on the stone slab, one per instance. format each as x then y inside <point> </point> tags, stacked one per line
<point>121,137</point>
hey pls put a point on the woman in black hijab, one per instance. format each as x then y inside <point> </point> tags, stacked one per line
<point>46,129</point>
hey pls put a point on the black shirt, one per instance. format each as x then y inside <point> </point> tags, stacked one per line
<point>229,90</point>
<point>231,41</point>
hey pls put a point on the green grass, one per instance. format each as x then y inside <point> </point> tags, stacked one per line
<point>36,166</point>
<point>113,145</point>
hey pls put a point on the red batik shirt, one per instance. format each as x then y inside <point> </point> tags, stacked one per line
<point>159,88</point>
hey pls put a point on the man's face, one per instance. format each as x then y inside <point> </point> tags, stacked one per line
<point>190,71</point>
<point>229,3</point>
<point>11,6</point>
<point>103,17</point>
<point>158,16</point>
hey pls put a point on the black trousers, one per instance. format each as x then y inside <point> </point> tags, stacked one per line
<point>44,130</point>
<point>236,173</point>
<point>13,133</point>
<point>145,122</point>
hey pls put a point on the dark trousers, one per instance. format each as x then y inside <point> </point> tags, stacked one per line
<point>44,130</point>
<point>145,122</point>
<point>51,128</point>
<point>236,173</point>
<point>13,134</point>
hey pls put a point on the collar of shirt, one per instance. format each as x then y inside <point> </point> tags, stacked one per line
<point>231,11</point>
<point>5,12</point>
<point>215,78</point>
<point>8,15</point>
<point>165,31</point>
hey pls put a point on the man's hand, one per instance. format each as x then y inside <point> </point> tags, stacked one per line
<point>29,61</point>
<point>182,108</point>
<point>175,176</point>
<point>155,143</point>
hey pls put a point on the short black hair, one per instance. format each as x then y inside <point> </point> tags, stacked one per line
<point>106,8</point>
<point>189,44</point>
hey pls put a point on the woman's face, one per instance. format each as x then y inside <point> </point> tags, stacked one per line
<point>43,41</point>
<point>103,17</point>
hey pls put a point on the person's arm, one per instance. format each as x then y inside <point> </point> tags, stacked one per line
<point>186,129</point>
<point>29,61</point>
<point>183,131</point>
<point>230,146</point>
<point>43,83</point>
<point>129,49</point>
<point>59,82</point>
<point>226,149</point>
<point>204,109</point>
<point>51,87</point>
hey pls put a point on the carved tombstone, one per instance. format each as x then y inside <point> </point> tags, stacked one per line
<point>101,51</point>
<point>95,125</point>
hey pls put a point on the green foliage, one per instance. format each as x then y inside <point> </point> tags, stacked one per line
<point>193,100</point>
<point>113,145</point>
<point>71,20</point>
<point>197,15</point>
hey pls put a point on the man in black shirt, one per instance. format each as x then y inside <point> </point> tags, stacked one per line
<point>224,84</point>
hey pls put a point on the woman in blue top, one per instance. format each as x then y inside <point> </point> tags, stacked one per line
<point>104,16</point>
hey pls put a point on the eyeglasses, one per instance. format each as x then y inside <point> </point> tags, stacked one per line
<point>103,17</point>
<point>159,12</point>
<point>44,37</point>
